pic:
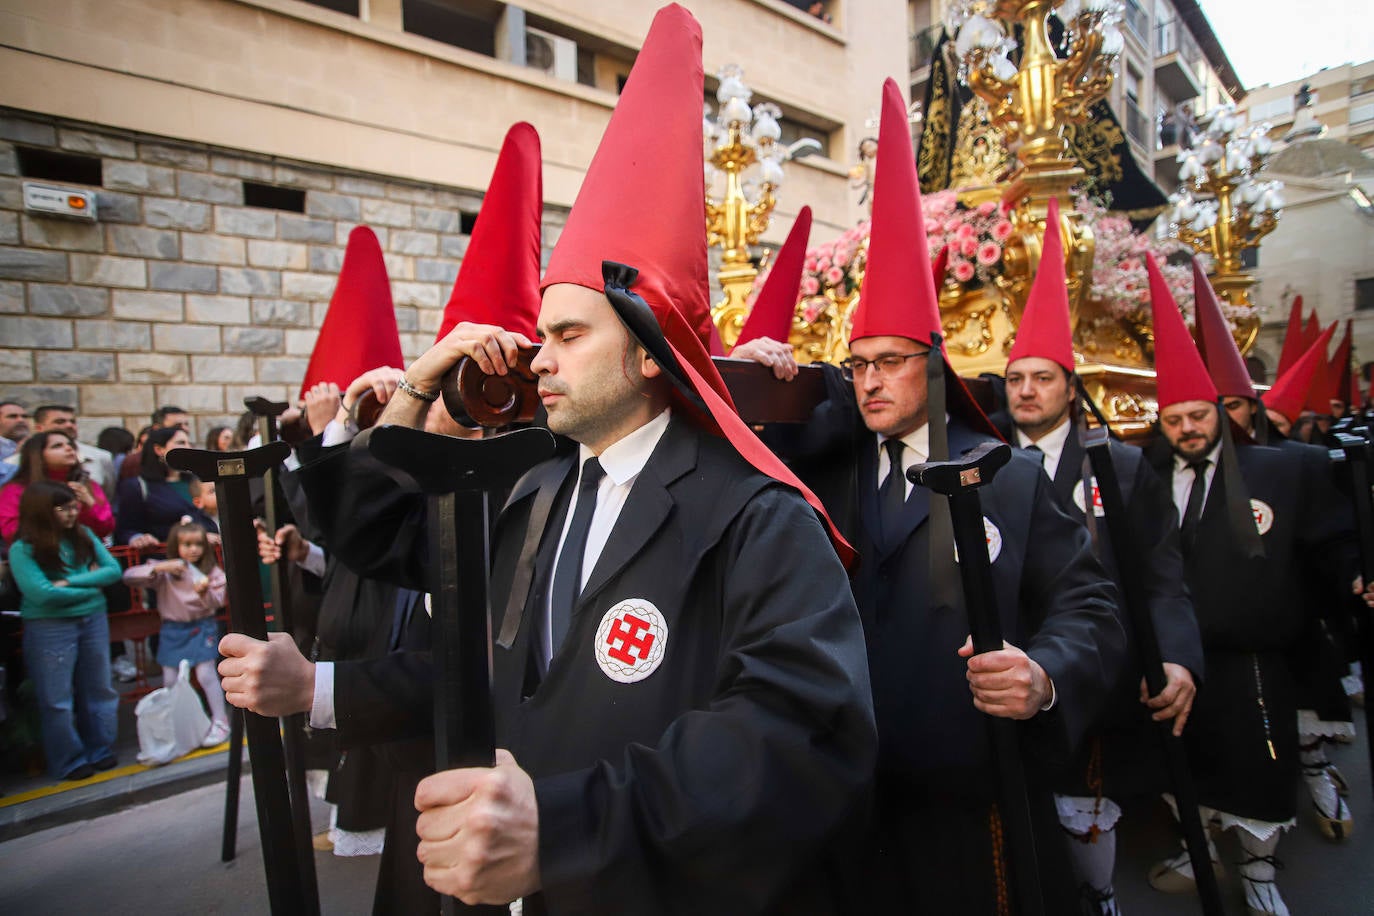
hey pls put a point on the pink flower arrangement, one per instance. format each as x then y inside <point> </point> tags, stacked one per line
<point>1120,278</point>
<point>976,239</point>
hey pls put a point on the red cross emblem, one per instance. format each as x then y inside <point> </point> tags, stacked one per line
<point>625,639</point>
<point>631,640</point>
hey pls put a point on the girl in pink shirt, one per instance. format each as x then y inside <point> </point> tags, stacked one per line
<point>190,588</point>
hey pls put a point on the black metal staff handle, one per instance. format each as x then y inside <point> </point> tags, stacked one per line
<point>457,475</point>
<point>231,472</point>
<point>292,726</point>
<point>1133,590</point>
<point>1356,449</point>
<point>960,480</point>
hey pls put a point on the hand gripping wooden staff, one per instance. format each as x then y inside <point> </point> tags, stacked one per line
<point>457,476</point>
<point>231,473</point>
<point>959,480</point>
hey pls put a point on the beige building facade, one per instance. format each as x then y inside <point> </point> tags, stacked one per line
<point>1341,99</point>
<point>232,144</point>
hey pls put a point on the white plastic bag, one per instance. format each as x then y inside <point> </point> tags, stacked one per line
<point>171,721</point>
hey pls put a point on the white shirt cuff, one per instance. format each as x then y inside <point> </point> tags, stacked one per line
<point>314,561</point>
<point>337,433</point>
<point>322,707</point>
<point>1054,698</point>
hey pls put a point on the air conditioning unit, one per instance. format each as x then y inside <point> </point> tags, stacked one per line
<point>553,55</point>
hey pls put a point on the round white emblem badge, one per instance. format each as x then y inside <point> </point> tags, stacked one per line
<point>631,640</point>
<point>1264,515</point>
<point>994,541</point>
<point>1097,499</point>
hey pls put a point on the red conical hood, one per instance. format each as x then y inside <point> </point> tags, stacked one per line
<point>1311,330</point>
<point>772,313</point>
<point>1293,346</point>
<point>359,331</point>
<point>1215,341</point>
<point>1289,394</point>
<point>1179,372</point>
<point>640,205</point>
<point>1045,330</point>
<point>1324,380</point>
<point>897,297</point>
<point>498,281</point>
<point>641,200</point>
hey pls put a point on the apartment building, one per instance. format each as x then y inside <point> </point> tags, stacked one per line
<point>1341,99</point>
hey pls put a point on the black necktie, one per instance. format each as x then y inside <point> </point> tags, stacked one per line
<point>567,575</point>
<point>1192,514</point>
<point>892,494</point>
<point>1037,453</point>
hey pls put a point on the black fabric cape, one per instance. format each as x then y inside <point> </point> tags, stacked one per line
<point>930,847</point>
<point>725,781</point>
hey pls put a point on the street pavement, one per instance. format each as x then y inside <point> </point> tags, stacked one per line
<point>163,858</point>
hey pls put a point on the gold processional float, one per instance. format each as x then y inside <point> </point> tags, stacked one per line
<point>993,216</point>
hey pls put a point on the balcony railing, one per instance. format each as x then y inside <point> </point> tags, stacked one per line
<point>922,50</point>
<point>1173,37</point>
<point>1137,125</point>
<point>1138,20</point>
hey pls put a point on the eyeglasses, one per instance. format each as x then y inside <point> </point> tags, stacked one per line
<point>885,366</point>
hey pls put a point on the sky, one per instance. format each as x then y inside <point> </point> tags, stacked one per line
<point>1269,41</point>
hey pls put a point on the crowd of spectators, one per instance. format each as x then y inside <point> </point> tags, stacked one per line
<point>69,512</point>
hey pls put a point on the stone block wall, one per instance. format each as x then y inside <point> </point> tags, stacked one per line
<point>182,295</point>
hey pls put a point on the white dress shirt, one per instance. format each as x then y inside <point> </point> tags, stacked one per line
<point>1051,445</point>
<point>622,462</point>
<point>1183,480</point>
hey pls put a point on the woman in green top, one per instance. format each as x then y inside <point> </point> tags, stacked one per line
<point>61,567</point>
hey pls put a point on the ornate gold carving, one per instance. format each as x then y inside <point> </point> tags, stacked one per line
<point>980,157</point>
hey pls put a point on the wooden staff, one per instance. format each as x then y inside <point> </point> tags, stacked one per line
<point>1128,564</point>
<point>231,473</point>
<point>292,726</point>
<point>457,476</point>
<point>959,480</point>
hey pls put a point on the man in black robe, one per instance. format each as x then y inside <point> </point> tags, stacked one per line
<point>934,845</point>
<point>1120,756</point>
<point>685,720</point>
<point>1249,523</point>
<point>1323,708</point>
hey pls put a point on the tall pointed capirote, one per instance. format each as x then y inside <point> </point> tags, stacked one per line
<point>498,281</point>
<point>1045,329</point>
<point>359,331</point>
<point>1179,372</point>
<point>776,304</point>
<point>1216,342</point>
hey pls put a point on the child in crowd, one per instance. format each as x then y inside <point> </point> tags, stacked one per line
<point>190,589</point>
<point>60,567</point>
<point>203,498</point>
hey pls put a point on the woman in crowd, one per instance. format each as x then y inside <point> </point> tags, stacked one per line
<point>130,469</point>
<point>60,567</point>
<point>221,439</point>
<point>153,502</point>
<point>52,455</point>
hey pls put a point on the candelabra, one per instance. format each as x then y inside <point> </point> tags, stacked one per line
<point>1033,102</point>
<point>1222,207</point>
<point>744,160</point>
